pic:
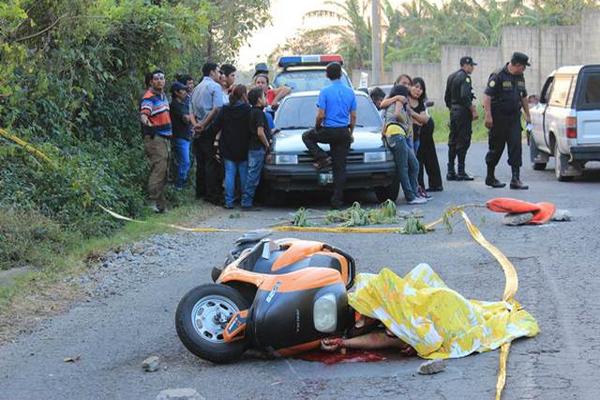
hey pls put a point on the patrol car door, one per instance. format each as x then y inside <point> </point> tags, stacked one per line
<point>538,117</point>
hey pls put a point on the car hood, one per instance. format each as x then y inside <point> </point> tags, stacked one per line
<point>290,140</point>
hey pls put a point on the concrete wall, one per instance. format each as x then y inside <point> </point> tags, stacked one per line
<point>590,38</point>
<point>548,48</point>
<point>429,72</point>
<point>488,59</point>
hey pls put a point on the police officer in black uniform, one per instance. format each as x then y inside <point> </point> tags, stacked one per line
<point>504,97</point>
<point>459,99</point>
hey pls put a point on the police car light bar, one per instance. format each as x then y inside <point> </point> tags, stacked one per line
<point>313,59</point>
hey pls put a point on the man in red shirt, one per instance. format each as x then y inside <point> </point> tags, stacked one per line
<point>156,123</point>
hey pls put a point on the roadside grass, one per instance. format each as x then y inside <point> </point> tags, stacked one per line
<point>39,289</point>
<point>441,118</point>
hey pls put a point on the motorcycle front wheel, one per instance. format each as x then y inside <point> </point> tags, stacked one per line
<point>201,318</point>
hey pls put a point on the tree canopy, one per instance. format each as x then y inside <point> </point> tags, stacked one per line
<point>417,30</point>
<point>71,75</point>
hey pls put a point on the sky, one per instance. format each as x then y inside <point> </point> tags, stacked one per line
<point>286,20</point>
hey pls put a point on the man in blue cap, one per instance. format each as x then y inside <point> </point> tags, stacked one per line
<point>505,96</point>
<point>459,100</point>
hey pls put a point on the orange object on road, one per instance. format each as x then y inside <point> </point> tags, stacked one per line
<point>511,206</point>
<point>544,215</point>
<point>542,212</point>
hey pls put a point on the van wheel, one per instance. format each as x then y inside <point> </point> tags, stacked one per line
<point>560,165</point>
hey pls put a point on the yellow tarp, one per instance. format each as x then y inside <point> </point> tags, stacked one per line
<point>435,320</point>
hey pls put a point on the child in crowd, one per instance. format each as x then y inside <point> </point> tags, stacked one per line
<point>260,142</point>
<point>398,134</point>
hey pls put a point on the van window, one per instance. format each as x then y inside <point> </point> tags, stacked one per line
<point>560,91</point>
<point>591,91</point>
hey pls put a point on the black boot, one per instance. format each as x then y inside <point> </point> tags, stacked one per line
<point>515,182</point>
<point>462,175</point>
<point>491,180</point>
<point>451,175</point>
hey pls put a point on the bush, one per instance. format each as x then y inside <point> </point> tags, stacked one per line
<point>29,239</point>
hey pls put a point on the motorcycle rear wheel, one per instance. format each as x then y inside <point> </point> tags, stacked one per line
<point>200,320</point>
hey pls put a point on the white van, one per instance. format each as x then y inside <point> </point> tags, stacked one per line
<point>566,121</point>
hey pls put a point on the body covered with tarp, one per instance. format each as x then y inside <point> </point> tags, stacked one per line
<point>435,320</point>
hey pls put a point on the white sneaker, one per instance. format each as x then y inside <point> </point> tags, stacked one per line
<point>425,198</point>
<point>418,200</point>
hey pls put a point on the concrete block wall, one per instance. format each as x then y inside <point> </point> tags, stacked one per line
<point>488,60</point>
<point>590,38</point>
<point>430,73</point>
<point>548,48</point>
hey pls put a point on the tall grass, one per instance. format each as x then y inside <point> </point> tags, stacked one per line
<point>441,118</point>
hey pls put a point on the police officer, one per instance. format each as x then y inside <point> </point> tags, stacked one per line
<point>504,97</point>
<point>459,99</point>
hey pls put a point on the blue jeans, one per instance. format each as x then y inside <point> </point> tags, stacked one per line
<point>256,160</point>
<point>231,170</point>
<point>407,166</point>
<point>182,160</point>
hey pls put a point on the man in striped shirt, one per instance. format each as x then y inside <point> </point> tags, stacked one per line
<point>156,122</point>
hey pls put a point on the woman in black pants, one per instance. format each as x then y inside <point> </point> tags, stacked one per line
<point>426,154</point>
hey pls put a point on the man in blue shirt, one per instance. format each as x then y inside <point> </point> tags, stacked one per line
<point>335,122</point>
<point>207,100</point>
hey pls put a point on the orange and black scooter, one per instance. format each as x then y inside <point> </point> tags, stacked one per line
<point>280,296</point>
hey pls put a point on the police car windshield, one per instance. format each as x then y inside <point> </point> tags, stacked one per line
<point>301,112</point>
<point>305,81</point>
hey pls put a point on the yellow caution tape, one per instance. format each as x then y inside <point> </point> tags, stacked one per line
<point>510,289</point>
<point>511,279</point>
<point>510,273</point>
<point>27,146</point>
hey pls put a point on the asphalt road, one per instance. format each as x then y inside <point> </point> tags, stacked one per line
<point>558,285</point>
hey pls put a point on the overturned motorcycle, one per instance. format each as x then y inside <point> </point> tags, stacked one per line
<point>280,296</point>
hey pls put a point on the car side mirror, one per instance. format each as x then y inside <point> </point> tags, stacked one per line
<point>429,103</point>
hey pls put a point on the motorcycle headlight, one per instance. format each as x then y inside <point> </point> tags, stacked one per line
<point>286,159</point>
<point>325,313</point>
<point>374,156</point>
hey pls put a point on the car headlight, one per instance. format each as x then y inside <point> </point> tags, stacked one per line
<point>325,313</point>
<point>374,156</point>
<point>286,159</point>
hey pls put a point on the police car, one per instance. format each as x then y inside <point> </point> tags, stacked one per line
<point>306,73</point>
<point>370,165</point>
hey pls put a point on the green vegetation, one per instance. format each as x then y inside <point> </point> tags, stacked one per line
<point>441,118</point>
<point>417,30</point>
<point>71,76</point>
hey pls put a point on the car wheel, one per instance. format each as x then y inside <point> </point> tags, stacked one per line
<point>560,165</point>
<point>388,192</point>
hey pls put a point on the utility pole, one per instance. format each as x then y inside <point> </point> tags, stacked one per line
<point>376,56</point>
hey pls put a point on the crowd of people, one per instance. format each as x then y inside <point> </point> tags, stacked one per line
<point>223,124</point>
<point>229,129</point>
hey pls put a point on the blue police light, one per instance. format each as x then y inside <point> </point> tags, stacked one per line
<point>312,59</point>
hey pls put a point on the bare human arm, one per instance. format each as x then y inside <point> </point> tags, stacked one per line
<point>525,105</point>
<point>320,118</point>
<point>352,122</point>
<point>280,93</point>
<point>260,132</point>
<point>388,101</point>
